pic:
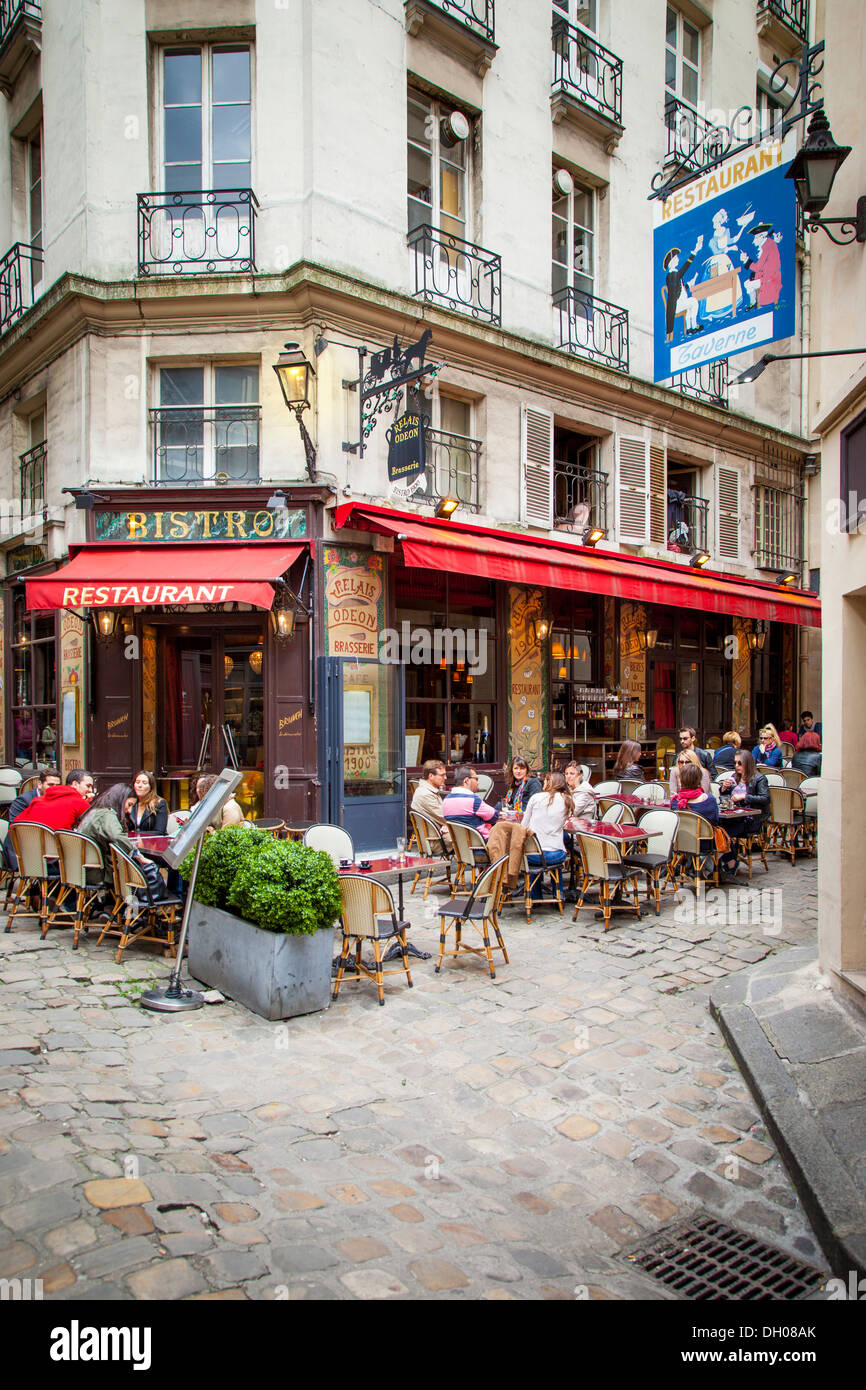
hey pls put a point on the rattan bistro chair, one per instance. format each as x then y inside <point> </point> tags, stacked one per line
<point>82,873</point>
<point>602,861</point>
<point>137,915</point>
<point>33,845</point>
<point>480,910</point>
<point>7,874</point>
<point>606,789</point>
<point>661,858</point>
<point>792,776</point>
<point>788,829</point>
<point>695,841</point>
<point>470,847</point>
<point>333,839</point>
<point>369,914</point>
<point>652,792</point>
<point>431,844</point>
<point>535,874</point>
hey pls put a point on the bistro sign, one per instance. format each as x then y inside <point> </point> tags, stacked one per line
<point>219,525</point>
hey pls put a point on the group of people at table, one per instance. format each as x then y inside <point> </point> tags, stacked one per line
<point>552,807</point>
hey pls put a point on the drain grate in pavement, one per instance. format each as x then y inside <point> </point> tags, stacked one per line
<point>704,1259</point>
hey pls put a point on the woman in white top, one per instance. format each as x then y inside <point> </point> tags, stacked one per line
<point>545,816</point>
<point>581,792</point>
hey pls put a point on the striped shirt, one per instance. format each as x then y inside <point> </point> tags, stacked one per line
<point>468,808</point>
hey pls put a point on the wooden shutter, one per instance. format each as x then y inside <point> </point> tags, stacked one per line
<point>632,490</point>
<point>536,456</point>
<point>658,494</point>
<point>728,511</point>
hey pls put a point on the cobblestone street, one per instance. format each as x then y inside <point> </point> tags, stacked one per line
<point>474,1138</point>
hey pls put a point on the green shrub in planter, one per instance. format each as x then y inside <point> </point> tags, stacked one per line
<point>223,853</point>
<point>287,887</point>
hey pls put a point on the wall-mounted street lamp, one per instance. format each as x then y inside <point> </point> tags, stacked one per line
<point>447,507</point>
<point>699,559</point>
<point>294,373</point>
<point>288,607</point>
<point>786,580</point>
<point>814,169</point>
<point>647,640</point>
<point>758,638</point>
<point>757,368</point>
<point>105,623</point>
<point>592,535</point>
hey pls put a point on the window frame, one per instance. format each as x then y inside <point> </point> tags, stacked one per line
<point>676,91</point>
<point>202,47</point>
<point>27,648</point>
<point>208,408</point>
<point>579,190</point>
<point>438,110</point>
<point>570,9</point>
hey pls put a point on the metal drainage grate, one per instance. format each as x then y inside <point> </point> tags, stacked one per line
<point>704,1259</point>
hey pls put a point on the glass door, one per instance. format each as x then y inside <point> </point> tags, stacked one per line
<point>362,750</point>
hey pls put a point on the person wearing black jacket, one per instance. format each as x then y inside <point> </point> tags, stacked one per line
<point>148,813</point>
<point>21,802</point>
<point>748,789</point>
<point>689,744</point>
<point>522,786</point>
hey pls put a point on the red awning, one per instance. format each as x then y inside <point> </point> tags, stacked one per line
<point>523,559</point>
<point>120,575</point>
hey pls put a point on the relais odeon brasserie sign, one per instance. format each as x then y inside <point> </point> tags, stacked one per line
<point>724,262</point>
<point>354,602</point>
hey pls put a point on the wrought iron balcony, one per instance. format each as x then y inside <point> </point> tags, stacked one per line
<point>693,141</point>
<point>708,382</point>
<point>794,14</point>
<point>687,522</point>
<point>31,466</point>
<point>579,497</point>
<point>453,467</point>
<point>206,444</point>
<point>586,71</point>
<point>592,328</point>
<point>456,274</point>
<point>477,15</point>
<point>464,26</point>
<point>20,38</point>
<point>20,276</point>
<point>208,232</point>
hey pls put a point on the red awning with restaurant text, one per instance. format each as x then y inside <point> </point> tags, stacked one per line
<point>121,575</point>
<point>523,559</point>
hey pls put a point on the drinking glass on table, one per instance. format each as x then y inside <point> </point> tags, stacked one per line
<point>401,849</point>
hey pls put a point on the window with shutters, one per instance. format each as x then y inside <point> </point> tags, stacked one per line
<point>728,513</point>
<point>640,492</point>
<point>778,514</point>
<point>579,485</point>
<point>536,449</point>
<point>687,510</point>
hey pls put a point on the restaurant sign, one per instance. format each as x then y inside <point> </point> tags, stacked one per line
<point>354,599</point>
<point>406,447</point>
<point>261,524</point>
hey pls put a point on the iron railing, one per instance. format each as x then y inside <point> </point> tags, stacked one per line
<point>18,281</point>
<point>592,328</point>
<point>687,522</point>
<point>477,15</point>
<point>579,497</point>
<point>693,141</point>
<point>453,467</point>
<point>208,232</point>
<point>456,274</point>
<point>31,467</point>
<point>583,68</point>
<point>778,515</point>
<point>794,14</point>
<point>194,445</point>
<point>13,10</point>
<point>708,382</point>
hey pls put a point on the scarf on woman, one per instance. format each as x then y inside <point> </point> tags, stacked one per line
<point>688,794</point>
<point>516,797</point>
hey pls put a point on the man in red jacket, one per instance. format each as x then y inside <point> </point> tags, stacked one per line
<point>60,807</point>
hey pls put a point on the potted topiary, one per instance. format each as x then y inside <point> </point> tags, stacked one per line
<point>260,924</point>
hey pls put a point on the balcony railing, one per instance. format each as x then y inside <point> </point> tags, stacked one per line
<point>20,39</point>
<point>794,14</point>
<point>215,444</point>
<point>477,15</point>
<point>693,141</point>
<point>708,382</point>
<point>585,70</point>
<point>579,497</point>
<point>778,525</point>
<point>592,328</point>
<point>453,467</point>
<point>31,467</point>
<point>208,232</point>
<point>687,522</point>
<point>452,272</point>
<point>13,10</point>
<point>20,277</point>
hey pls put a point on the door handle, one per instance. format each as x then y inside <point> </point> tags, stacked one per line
<point>202,752</point>
<point>230,746</point>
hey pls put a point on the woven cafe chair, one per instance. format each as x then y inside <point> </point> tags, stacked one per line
<point>695,841</point>
<point>629,786</point>
<point>412,785</point>
<point>479,910</point>
<point>34,845</point>
<point>606,789</point>
<point>7,874</point>
<point>787,829</point>
<point>616,813</point>
<point>792,776</point>
<point>333,839</point>
<point>653,862</point>
<point>652,793</point>
<point>369,914</point>
<point>137,915</point>
<point>533,875</point>
<point>10,786</point>
<point>485,785</point>
<point>431,844</point>
<point>602,862</point>
<point>809,792</point>
<point>470,848</point>
<point>82,874</point>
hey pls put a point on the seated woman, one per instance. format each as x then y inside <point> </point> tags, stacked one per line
<point>748,789</point>
<point>692,796</point>
<point>723,758</point>
<point>522,786</point>
<point>768,749</point>
<point>808,755</point>
<point>149,813</point>
<point>231,812</point>
<point>545,816</point>
<point>686,757</point>
<point>581,793</point>
<point>626,764</point>
<point>103,823</point>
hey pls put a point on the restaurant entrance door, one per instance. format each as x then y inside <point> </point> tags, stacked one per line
<point>212,700</point>
<point>362,749</point>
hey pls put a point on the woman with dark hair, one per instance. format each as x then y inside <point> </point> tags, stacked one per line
<point>149,813</point>
<point>626,764</point>
<point>546,814</point>
<point>103,822</point>
<point>522,786</point>
<point>692,796</point>
<point>747,789</point>
<point>231,812</point>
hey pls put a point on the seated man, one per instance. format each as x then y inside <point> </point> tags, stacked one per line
<point>429,793</point>
<point>60,807</point>
<point>463,804</point>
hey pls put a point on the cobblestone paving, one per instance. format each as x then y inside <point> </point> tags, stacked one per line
<point>474,1138</point>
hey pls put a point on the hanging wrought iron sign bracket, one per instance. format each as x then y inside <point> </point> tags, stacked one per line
<point>714,143</point>
<point>380,386</point>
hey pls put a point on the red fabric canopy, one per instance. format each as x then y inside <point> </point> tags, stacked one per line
<point>120,575</point>
<point>523,559</point>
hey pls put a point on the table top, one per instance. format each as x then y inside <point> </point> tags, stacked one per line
<point>387,863</point>
<point>150,844</point>
<point>581,826</point>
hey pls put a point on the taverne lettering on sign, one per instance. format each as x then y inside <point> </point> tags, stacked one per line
<point>217,525</point>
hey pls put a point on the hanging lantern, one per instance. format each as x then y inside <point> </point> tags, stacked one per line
<point>229,666</point>
<point>255,659</point>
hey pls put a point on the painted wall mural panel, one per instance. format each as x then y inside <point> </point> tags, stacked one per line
<point>741,677</point>
<point>632,660</point>
<point>528,675</point>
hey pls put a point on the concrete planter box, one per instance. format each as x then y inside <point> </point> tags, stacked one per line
<point>275,975</point>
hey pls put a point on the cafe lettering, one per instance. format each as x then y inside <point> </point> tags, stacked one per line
<point>240,525</point>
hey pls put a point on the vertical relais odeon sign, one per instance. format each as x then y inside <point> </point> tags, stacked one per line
<point>724,278</point>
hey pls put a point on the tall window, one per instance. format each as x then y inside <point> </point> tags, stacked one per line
<point>32,466</point>
<point>34,687</point>
<point>682,57</point>
<point>573,250</point>
<point>206,118</point>
<point>577,12</point>
<point>453,454</point>
<point>439,169</point>
<point>34,205</point>
<point>778,515</point>
<point>207,424</point>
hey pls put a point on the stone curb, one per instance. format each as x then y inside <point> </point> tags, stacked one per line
<point>828,1195</point>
